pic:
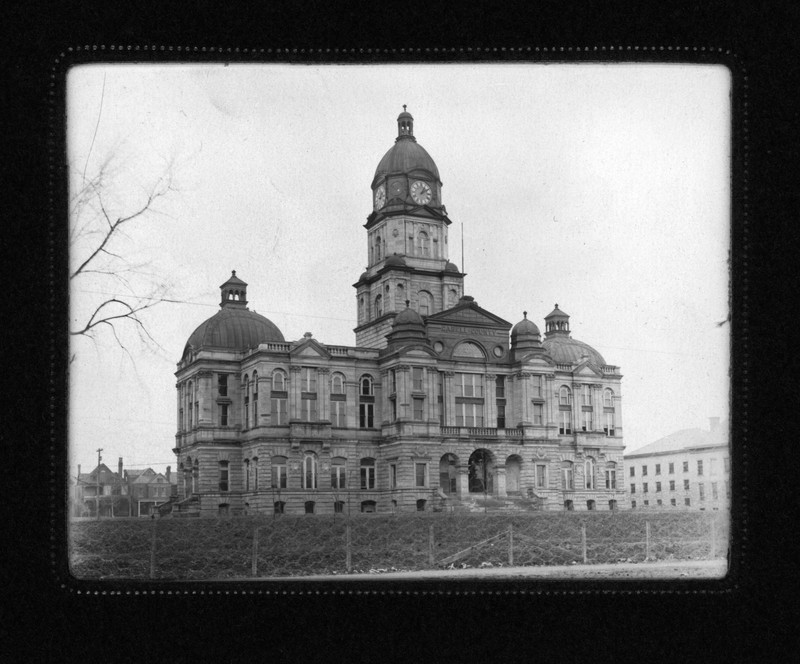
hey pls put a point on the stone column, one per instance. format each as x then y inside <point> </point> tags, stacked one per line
<point>489,400</point>
<point>463,478</point>
<point>597,407</point>
<point>449,400</point>
<point>429,407</point>
<point>323,394</point>
<point>551,401</point>
<point>351,407</point>
<point>294,393</point>
<point>403,396</point>
<point>500,480</point>
<point>204,396</point>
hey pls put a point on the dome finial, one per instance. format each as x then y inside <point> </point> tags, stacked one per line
<point>408,303</point>
<point>404,107</point>
<point>525,314</point>
<point>233,273</point>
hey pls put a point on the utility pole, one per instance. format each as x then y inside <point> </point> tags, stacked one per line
<point>97,484</point>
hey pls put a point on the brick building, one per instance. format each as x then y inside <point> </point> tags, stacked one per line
<point>438,400</point>
<point>688,469</point>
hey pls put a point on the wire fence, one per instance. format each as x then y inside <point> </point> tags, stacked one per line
<point>254,547</point>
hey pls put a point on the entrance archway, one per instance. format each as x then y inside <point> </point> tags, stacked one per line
<point>513,468</point>
<point>448,474</point>
<point>481,472</point>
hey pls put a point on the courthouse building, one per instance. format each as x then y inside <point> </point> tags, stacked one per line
<point>438,401</point>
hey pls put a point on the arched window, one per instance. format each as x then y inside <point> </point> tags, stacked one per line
<point>278,472</point>
<point>368,506</point>
<point>567,476</point>
<point>278,381</point>
<point>247,475</point>
<point>366,402</point>
<point>255,473</point>
<point>361,313</point>
<point>337,383</point>
<point>255,398</point>
<point>246,390</point>
<point>611,475</point>
<point>338,473</point>
<point>564,396</point>
<point>366,386</point>
<point>588,473</point>
<point>425,303</point>
<point>399,297</point>
<point>338,401</point>
<point>223,476</point>
<point>423,244</point>
<point>309,479</point>
<point>608,398</point>
<point>378,306</point>
<point>368,473</point>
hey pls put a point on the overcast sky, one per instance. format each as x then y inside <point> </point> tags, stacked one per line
<point>604,188</point>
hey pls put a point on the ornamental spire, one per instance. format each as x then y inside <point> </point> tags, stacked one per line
<point>405,125</point>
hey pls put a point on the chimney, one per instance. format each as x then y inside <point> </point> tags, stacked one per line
<point>713,423</point>
<point>169,472</point>
<point>119,467</point>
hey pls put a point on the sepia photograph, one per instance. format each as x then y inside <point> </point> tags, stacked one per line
<point>399,321</point>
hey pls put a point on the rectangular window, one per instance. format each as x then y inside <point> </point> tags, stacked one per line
<point>393,475</point>
<point>469,385</point>
<point>541,476</point>
<point>700,467</point>
<point>223,415</point>
<point>421,472</point>
<point>685,466</point>
<point>658,469</point>
<point>568,478</point>
<point>308,380</point>
<point>672,485</point>
<point>416,378</point>
<point>714,493</point>
<point>687,502</point>
<point>646,503</point>
<point>501,416</point>
<point>658,487</point>
<point>393,403</point>
<point>367,477</point>
<point>279,414</point>
<point>586,395</point>
<point>500,387</point>
<point>685,485</point>
<point>609,427</point>
<point>644,471</point>
<point>633,488</point>
<point>536,386</point>
<point>644,487</point>
<point>338,476</point>
<point>223,475</point>
<point>337,413</point>
<point>392,381</point>
<point>538,413</point>
<point>279,475</point>
<point>586,424</point>
<point>611,479</point>
<point>565,422</point>
<point>222,384</point>
<point>633,504</point>
<point>672,502</point>
<point>418,405</point>
<point>309,410</point>
<point>702,490</point>
<point>712,466</point>
<point>671,468</point>
<point>469,414</point>
<point>658,502</point>
<point>633,471</point>
<point>366,415</point>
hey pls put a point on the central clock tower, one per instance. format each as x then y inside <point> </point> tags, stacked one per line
<point>407,244</point>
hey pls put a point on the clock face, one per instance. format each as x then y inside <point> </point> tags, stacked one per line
<point>396,188</point>
<point>380,197</point>
<point>421,192</point>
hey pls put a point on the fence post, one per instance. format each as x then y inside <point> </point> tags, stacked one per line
<point>153,552</point>
<point>583,542</point>
<point>510,544</point>
<point>713,539</point>
<point>254,570</point>
<point>430,546</point>
<point>647,540</point>
<point>348,549</point>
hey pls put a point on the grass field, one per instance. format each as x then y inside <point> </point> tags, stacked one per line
<point>245,547</point>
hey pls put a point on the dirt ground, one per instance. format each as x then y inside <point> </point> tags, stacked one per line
<point>677,569</point>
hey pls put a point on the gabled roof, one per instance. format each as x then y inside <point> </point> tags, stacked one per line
<point>310,347</point>
<point>684,440</point>
<point>467,312</point>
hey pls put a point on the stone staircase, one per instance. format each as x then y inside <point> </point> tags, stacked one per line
<point>476,503</point>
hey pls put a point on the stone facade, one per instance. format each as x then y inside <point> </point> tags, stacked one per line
<point>438,400</point>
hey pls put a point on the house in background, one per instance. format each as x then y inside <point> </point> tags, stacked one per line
<point>688,469</point>
<point>121,493</point>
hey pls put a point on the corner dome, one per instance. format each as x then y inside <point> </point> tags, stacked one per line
<point>525,327</point>
<point>451,267</point>
<point>408,317</point>
<point>566,350</point>
<point>395,260</point>
<point>234,329</point>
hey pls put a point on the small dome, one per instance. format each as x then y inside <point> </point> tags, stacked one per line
<point>565,350</point>
<point>395,260</point>
<point>364,275</point>
<point>525,327</point>
<point>408,317</point>
<point>404,157</point>
<point>451,267</point>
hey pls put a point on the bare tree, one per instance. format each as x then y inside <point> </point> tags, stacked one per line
<point>97,238</point>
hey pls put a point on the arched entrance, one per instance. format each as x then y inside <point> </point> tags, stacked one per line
<point>513,468</point>
<point>481,472</point>
<point>448,474</point>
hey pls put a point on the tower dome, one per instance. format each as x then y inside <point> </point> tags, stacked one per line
<point>406,155</point>
<point>561,347</point>
<point>525,338</point>
<point>234,326</point>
